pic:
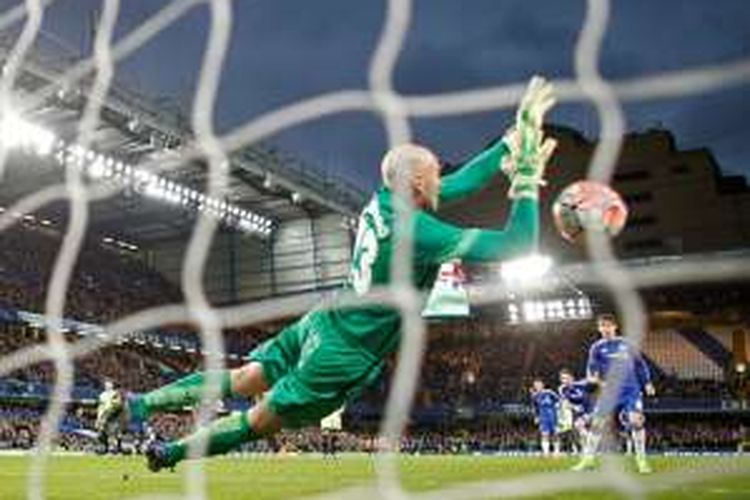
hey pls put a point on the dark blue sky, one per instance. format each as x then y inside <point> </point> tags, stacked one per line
<point>285,50</point>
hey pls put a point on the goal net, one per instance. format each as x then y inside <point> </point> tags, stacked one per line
<point>91,79</point>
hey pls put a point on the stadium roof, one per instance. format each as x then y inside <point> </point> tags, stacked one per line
<point>152,132</point>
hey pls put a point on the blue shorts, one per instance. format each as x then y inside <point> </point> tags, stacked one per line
<point>629,401</point>
<point>548,425</point>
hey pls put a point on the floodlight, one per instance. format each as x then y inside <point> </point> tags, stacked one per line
<point>526,269</point>
<point>97,170</point>
<point>17,132</point>
<point>133,124</point>
<point>153,190</point>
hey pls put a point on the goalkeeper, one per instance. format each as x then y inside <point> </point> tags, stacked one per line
<point>315,365</point>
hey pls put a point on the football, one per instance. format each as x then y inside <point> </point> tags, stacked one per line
<point>588,206</point>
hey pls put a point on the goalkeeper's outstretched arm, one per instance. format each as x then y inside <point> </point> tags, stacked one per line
<point>438,242</point>
<point>474,174</point>
<point>503,154</point>
<point>523,153</point>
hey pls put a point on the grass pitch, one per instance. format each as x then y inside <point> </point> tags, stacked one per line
<point>272,477</point>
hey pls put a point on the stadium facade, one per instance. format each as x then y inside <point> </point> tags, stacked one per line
<point>679,201</point>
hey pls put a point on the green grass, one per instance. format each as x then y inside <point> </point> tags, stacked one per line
<point>91,478</point>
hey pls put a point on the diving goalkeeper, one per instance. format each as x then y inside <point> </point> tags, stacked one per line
<point>315,365</point>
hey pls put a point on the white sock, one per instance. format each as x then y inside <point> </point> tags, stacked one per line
<point>639,442</point>
<point>556,445</point>
<point>545,445</point>
<point>583,437</point>
<point>592,443</point>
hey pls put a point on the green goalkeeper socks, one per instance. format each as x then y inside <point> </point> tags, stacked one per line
<point>220,436</point>
<point>184,392</point>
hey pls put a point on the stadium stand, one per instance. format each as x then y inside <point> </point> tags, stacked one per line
<point>473,390</point>
<point>106,284</point>
<point>708,345</point>
<point>679,357</point>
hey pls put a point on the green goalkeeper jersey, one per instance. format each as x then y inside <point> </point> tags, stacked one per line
<point>377,327</point>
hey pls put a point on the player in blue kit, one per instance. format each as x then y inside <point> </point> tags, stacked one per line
<point>577,395</point>
<point>605,355</point>
<point>545,404</point>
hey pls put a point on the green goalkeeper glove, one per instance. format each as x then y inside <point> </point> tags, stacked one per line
<point>526,162</point>
<point>529,151</point>
<point>538,99</point>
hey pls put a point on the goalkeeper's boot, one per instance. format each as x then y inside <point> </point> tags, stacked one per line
<point>587,462</point>
<point>643,466</point>
<point>157,457</point>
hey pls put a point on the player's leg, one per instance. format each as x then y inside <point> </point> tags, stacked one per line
<point>573,445</point>
<point>269,362</point>
<point>103,439</point>
<point>249,380</point>
<point>638,433</point>
<point>628,438</point>
<point>329,371</point>
<point>290,404</point>
<point>324,442</point>
<point>186,391</point>
<point>582,432</point>
<point>593,439</point>
<point>624,429</point>
<point>601,417</point>
<point>554,434</point>
<point>328,443</point>
<point>633,423</point>
<point>556,444</point>
<point>334,443</point>
<point>108,409</point>
<point>220,436</point>
<point>547,431</point>
<point>545,443</point>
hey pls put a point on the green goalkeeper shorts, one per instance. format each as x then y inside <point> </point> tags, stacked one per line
<point>313,370</point>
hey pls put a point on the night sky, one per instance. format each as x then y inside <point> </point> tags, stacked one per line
<point>286,50</point>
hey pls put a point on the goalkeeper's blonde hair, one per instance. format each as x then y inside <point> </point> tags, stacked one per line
<point>399,163</point>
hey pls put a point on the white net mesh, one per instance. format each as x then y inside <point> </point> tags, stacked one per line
<point>395,111</point>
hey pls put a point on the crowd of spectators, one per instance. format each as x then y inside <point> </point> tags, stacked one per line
<point>487,369</point>
<point>673,387</point>
<point>683,432</point>
<point>475,364</point>
<point>19,427</point>
<point>484,370</point>
<point>704,300</point>
<point>470,363</point>
<point>133,367</point>
<point>105,284</point>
